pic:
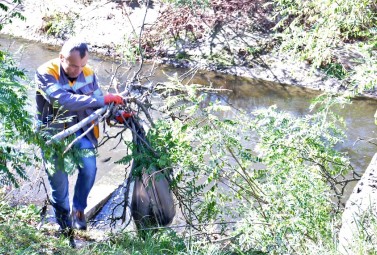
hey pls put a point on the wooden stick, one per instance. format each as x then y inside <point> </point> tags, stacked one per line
<point>69,131</point>
<point>93,117</point>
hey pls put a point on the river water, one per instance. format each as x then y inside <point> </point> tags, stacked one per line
<point>245,93</point>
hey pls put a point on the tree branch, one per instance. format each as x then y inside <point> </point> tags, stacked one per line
<point>69,131</point>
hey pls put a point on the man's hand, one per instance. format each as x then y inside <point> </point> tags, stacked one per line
<point>111,98</point>
<point>123,115</point>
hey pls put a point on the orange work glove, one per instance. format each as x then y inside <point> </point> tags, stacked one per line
<point>122,115</point>
<point>111,98</point>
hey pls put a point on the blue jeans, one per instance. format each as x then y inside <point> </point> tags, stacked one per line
<point>84,183</point>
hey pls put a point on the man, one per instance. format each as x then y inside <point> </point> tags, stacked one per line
<point>67,90</point>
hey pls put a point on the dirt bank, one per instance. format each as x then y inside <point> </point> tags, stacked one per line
<point>108,25</point>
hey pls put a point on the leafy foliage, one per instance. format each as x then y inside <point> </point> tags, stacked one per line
<point>312,29</point>
<point>16,122</point>
<point>166,242</point>
<point>335,70</point>
<point>18,235</point>
<point>70,160</point>
<point>9,11</point>
<point>59,24</point>
<point>300,160</point>
<point>364,75</point>
<point>276,175</point>
<point>16,125</point>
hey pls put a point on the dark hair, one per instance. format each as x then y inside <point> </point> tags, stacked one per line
<point>74,45</point>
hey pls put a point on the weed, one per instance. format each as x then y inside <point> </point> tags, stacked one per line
<point>335,70</point>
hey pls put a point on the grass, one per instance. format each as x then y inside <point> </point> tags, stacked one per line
<point>19,235</point>
<point>335,70</point>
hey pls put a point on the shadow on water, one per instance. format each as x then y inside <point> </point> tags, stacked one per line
<point>246,94</point>
<point>111,213</point>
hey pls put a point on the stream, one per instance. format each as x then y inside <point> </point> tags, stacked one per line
<point>247,94</point>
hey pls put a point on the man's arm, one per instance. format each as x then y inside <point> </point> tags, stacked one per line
<point>53,92</point>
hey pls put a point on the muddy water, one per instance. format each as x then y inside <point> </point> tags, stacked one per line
<point>245,93</point>
<point>253,94</point>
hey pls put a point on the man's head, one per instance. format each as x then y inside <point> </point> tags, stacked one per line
<point>73,57</point>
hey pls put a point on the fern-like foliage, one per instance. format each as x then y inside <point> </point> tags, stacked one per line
<point>16,127</point>
<point>274,174</point>
<point>8,11</point>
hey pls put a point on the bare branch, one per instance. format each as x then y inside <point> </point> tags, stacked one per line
<point>144,109</point>
<point>69,131</point>
<point>79,137</point>
<point>140,49</point>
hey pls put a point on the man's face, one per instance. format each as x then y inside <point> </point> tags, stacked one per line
<point>73,64</point>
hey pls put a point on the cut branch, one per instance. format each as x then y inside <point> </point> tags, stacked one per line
<point>69,131</point>
<point>95,117</point>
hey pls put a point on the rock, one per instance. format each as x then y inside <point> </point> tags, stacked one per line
<point>359,217</point>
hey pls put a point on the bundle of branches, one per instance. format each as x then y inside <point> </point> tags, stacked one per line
<point>268,172</point>
<point>152,199</point>
<point>250,172</point>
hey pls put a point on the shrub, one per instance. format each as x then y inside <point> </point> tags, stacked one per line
<point>16,122</point>
<point>312,29</point>
<point>16,127</point>
<point>272,174</point>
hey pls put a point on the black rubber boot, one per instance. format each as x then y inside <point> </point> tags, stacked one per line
<point>79,220</point>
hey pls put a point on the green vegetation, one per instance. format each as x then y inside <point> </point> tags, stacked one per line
<point>15,121</point>
<point>280,171</point>
<point>59,24</point>
<point>280,184</point>
<point>314,31</point>
<point>8,13</point>
<point>18,235</point>
<point>265,182</point>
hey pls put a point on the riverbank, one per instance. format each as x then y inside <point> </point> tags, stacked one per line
<point>273,66</point>
<point>107,27</point>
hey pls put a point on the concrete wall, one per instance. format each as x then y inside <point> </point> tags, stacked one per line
<point>359,221</point>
